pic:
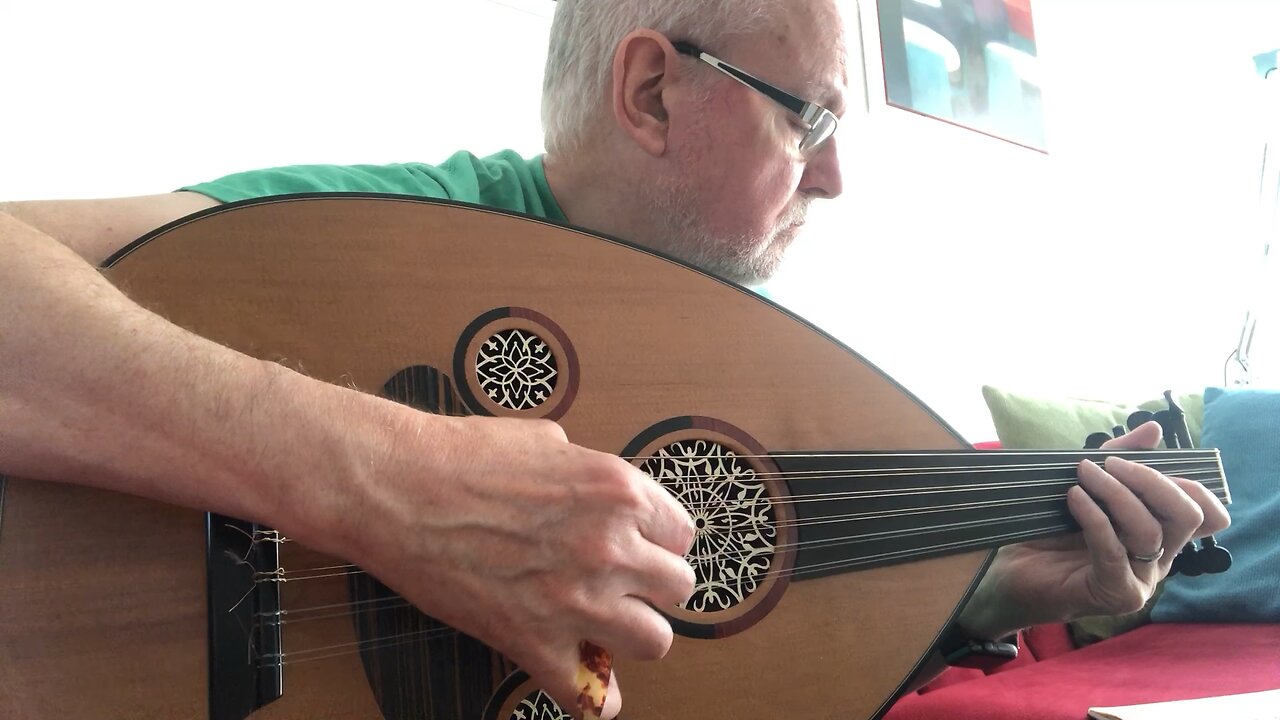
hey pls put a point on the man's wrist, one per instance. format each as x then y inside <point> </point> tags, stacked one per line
<point>987,617</point>
<point>321,470</point>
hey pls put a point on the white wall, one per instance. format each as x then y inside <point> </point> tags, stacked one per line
<point>1105,268</point>
<point>1109,268</point>
<point>142,96</point>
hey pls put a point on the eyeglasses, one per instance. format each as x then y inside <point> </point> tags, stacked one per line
<point>820,121</point>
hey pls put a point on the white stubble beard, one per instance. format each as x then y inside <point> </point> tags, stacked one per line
<point>678,230</point>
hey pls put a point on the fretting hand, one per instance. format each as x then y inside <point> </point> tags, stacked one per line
<point>1134,522</point>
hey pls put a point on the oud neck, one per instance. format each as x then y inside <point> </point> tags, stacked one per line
<point>856,510</point>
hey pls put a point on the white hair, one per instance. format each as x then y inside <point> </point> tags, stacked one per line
<point>585,35</point>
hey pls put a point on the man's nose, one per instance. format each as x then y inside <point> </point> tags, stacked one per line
<point>822,176</point>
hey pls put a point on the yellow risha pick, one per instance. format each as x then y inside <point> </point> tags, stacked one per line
<point>595,668</point>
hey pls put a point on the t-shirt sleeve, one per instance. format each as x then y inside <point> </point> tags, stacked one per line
<point>416,179</point>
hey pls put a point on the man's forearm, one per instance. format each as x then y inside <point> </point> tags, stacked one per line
<point>96,390</point>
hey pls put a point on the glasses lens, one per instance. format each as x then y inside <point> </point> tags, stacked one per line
<point>823,128</point>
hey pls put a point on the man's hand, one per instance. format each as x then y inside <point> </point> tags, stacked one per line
<point>508,532</point>
<point>1128,512</point>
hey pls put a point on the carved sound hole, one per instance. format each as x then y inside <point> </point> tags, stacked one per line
<point>538,706</point>
<point>736,520</point>
<point>516,369</point>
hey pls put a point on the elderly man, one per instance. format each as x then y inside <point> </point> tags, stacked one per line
<point>700,129</point>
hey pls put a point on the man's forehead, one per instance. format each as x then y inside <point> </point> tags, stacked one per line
<point>807,40</point>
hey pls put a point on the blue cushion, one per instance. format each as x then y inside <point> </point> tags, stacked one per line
<point>1245,426</point>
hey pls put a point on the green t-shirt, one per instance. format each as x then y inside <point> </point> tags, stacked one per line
<point>504,181</point>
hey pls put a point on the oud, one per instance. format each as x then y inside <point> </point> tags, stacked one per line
<point>841,524</point>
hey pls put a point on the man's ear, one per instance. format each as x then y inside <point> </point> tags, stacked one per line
<point>642,74</point>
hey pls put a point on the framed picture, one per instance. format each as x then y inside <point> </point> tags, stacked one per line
<point>972,63</point>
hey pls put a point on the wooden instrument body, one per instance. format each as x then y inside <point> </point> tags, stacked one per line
<point>102,597</point>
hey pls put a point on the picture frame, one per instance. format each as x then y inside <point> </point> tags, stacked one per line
<point>972,64</point>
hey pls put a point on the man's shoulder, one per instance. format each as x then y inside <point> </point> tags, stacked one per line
<point>463,176</point>
<point>505,180</point>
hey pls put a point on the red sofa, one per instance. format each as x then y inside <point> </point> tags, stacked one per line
<point>1053,680</point>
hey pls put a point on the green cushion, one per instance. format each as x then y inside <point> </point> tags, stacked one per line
<point>1041,422</point>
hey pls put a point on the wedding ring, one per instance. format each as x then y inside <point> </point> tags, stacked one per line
<point>1159,553</point>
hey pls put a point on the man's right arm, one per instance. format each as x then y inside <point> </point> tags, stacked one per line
<point>95,229</point>
<point>470,518</point>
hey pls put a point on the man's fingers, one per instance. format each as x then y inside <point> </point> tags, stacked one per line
<point>635,630</point>
<point>1184,507</point>
<point>1216,518</point>
<point>668,523</point>
<point>1116,587</point>
<point>1140,532</point>
<point>665,579</point>
<point>1178,514</point>
<point>1110,559</point>
<point>1144,437</point>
